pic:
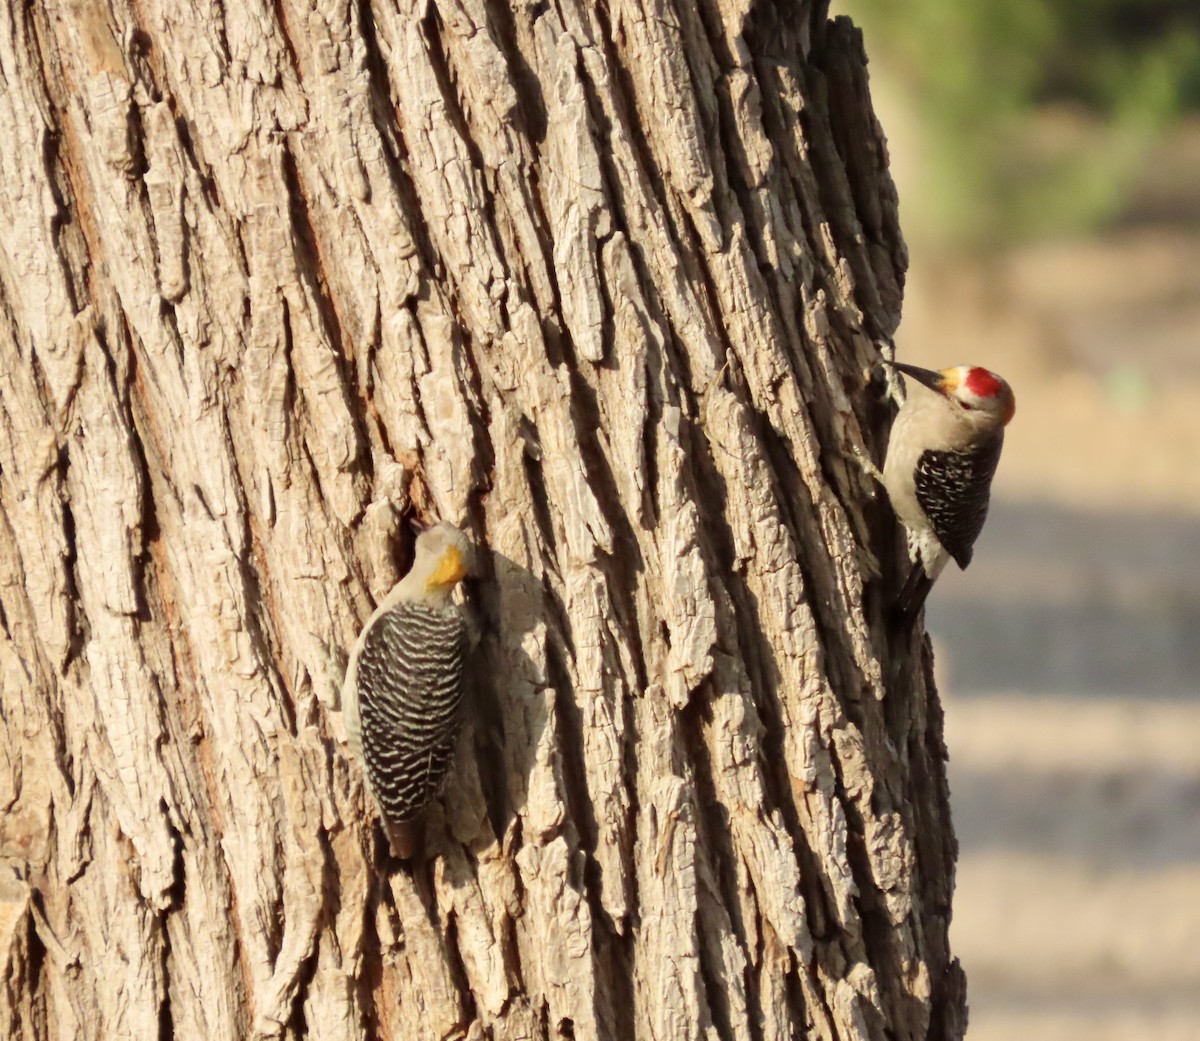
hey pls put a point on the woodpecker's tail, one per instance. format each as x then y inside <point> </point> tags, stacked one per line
<point>403,837</point>
<point>911,599</point>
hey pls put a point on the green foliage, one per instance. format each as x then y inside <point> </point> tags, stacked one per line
<point>1037,114</point>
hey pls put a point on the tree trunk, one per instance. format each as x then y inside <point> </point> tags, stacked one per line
<point>600,282</point>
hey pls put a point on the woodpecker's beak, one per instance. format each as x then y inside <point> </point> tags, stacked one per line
<point>933,380</point>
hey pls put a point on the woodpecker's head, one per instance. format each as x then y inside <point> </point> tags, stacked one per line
<point>978,396</point>
<point>442,559</point>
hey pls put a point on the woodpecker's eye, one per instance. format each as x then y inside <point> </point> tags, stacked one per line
<point>967,405</point>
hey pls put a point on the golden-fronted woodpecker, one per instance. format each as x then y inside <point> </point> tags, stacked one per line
<point>941,456</point>
<point>403,691</point>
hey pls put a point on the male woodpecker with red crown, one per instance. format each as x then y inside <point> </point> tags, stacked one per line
<point>941,457</point>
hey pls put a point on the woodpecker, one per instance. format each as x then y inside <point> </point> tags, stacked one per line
<point>941,456</point>
<point>402,695</point>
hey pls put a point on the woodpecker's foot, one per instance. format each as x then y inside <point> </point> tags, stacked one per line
<point>869,563</point>
<point>866,464</point>
<point>893,386</point>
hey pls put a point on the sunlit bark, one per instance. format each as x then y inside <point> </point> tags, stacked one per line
<point>598,282</point>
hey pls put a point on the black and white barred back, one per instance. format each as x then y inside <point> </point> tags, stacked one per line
<point>410,700</point>
<point>953,489</point>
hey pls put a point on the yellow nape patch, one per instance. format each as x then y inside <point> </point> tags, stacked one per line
<point>450,569</point>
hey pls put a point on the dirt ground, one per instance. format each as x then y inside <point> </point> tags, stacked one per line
<point>1069,654</point>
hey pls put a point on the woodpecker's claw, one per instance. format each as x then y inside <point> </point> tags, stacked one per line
<point>867,465</point>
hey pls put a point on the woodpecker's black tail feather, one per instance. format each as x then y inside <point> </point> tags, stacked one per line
<point>404,837</point>
<point>911,600</point>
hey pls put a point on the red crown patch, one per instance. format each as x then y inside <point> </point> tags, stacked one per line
<point>982,383</point>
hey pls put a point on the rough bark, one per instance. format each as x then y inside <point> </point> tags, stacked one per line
<point>599,282</point>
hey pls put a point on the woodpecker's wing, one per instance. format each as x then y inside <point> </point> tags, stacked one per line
<point>410,695</point>
<point>953,488</point>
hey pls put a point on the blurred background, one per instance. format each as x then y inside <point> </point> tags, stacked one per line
<point>1047,155</point>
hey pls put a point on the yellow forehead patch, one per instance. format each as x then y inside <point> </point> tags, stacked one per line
<point>450,569</point>
<point>951,378</point>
